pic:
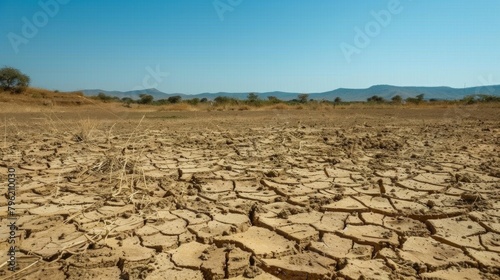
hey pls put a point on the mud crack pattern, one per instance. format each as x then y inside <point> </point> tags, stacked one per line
<point>276,196</point>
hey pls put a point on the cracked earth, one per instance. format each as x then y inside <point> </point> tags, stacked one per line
<point>342,194</point>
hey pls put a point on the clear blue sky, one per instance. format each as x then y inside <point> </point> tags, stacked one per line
<point>260,45</point>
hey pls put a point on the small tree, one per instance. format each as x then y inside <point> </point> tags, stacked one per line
<point>145,98</point>
<point>337,100</point>
<point>13,80</point>
<point>376,99</point>
<point>469,99</point>
<point>417,100</point>
<point>204,100</point>
<point>174,99</point>
<point>221,100</point>
<point>193,101</point>
<point>127,101</point>
<point>252,97</point>
<point>103,97</point>
<point>420,97</point>
<point>273,99</point>
<point>397,99</point>
<point>303,98</point>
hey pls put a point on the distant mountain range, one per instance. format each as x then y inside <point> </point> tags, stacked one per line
<point>385,91</point>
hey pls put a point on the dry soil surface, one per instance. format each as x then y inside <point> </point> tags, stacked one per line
<point>337,194</point>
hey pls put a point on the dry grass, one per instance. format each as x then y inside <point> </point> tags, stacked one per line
<point>280,106</point>
<point>85,129</point>
<point>178,107</point>
<point>42,100</point>
<point>317,106</point>
<point>38,97</point>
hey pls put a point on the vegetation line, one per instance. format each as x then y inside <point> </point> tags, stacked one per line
<point>16,83</point>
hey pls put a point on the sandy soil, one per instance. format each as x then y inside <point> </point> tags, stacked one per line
<point>334,194</point>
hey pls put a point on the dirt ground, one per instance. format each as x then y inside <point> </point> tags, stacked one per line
<point>401,193</point>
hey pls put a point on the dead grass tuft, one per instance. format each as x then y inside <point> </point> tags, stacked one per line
<point>114,163</point>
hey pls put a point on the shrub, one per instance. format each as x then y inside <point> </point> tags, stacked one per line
<point>174,99</point>
<point>252,98</point>
<point>103,97</point>
<point>145,98</point>
<point>273,100</point>
<point>488,98</point>
<point>376,99</point>
<point>303,98</point>
<point>127,100</point>
<point>220,100</point>
<point>193,101</point>
<point>161,102</point>
<point>416,100</point>
<point>397,99</point>
<point>483,98</point>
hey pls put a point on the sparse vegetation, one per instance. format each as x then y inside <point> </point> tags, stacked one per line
<point>106,98</point>
<point>222,100</point>
<point>416,100</point>
<point>252,102</point>
<point>480,98</point>
<point>375,99</point>
<point>273,100</point>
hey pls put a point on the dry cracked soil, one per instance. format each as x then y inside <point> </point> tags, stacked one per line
<point>338,194</point>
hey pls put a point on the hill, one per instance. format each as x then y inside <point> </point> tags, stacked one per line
<point>385,91</point>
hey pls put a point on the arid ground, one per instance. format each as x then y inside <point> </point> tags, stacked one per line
<point>364,193</point>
